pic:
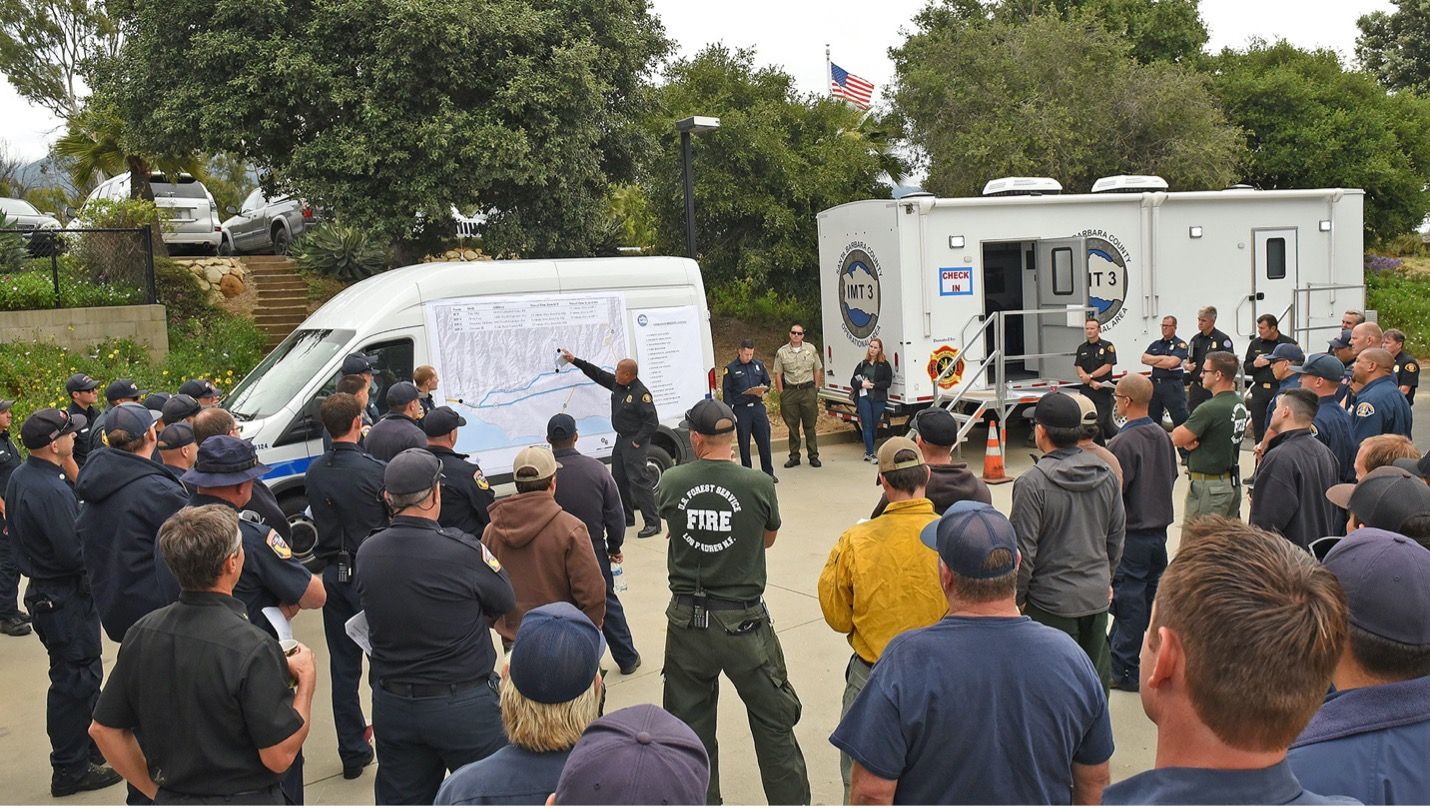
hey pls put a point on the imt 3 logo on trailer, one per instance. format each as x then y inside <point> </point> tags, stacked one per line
<point>859,290</point>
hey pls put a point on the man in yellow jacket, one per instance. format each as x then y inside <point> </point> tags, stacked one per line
<point>881,579</point>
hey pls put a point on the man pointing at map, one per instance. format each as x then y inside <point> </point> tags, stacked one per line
<point>634,419</point>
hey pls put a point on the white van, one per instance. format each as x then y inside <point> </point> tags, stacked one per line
<point>492,329</point>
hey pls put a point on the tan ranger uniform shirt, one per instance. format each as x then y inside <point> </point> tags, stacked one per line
<point>797,365</point>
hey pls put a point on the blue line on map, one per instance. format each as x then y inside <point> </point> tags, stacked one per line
<point>527,386</point>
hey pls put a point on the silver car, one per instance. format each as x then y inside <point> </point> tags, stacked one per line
<point>186,206</point>
<point>263,225</point>
<point>17,213</point>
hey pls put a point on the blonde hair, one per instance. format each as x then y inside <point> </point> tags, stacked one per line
<point>880,356</point>
<point>543,728</point>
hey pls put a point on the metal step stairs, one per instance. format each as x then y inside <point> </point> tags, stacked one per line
<point>282,296</point>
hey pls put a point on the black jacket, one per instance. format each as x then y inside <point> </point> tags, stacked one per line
<point>345,494</point>
<point>877,372</point>
<point>586,490</point>
<point>632,408</point>
<point>465,493</point>
<point>123,500</point>
<point>1289,492</point>
<point>949,483</point>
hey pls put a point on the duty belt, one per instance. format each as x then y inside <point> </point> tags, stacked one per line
<point>1205,476</point>
<point>799,385</point>
<point>712,603</point>
<point>419,691</point>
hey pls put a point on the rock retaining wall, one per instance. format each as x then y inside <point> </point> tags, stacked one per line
<point>217,278</point>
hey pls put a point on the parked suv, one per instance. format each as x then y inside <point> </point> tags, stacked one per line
<point>262,225</point>
<point>189,208</point>
<point>18,213</point>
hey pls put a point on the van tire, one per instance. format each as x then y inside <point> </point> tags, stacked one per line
<point>305,533</point>
<point>659,460</point>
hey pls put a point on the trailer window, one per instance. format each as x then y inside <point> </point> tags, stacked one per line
<point>1062,271</point>
<point>1275,258</point>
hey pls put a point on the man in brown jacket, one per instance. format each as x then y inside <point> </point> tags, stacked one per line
<point>546,551</point>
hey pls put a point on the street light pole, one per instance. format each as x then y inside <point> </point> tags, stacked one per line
<point>696,123</point>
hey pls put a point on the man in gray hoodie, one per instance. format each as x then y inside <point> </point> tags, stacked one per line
<point>1070,521</point>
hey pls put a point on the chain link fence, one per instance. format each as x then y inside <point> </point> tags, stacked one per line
<point>74,267</point>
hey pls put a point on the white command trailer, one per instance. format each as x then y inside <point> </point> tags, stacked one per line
<point>492,330</point>
<point>981,302</point>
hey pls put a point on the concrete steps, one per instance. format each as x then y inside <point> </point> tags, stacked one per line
<point>282,296</point>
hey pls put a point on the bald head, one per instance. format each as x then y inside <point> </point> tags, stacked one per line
<point>1365,336</point>
<point>1379,356</point>
<point>1136,387</point>
<point>626,371</point>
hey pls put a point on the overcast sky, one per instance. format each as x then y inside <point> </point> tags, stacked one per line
<point>793,34</point>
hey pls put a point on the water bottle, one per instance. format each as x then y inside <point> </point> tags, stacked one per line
<point>618,577</point>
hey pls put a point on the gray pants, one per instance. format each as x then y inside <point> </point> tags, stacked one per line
<point>856,676</point>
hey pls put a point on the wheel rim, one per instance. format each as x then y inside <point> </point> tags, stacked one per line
<point>305,537</point>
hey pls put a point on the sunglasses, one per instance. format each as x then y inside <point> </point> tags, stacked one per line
<point>796,333</point>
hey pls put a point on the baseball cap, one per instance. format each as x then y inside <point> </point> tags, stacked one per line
<point>44,426</point>
<point>1086,408</point>
<point>411,471</point>
<point>892,448</point>
<point>442,420</point>
<point>936,426</point>
<point>556,654</point>
<point>6,404</point>
<point>1383,575</point>
<point>561,427</point>
<point>123,389</point>
<point>1384,498</point>
<point>179,407</point>
<point>80,382</point>
<point>156,400</point>
<point>1342,340</point>
<point>199,389</point>
<point>131,417</point>
<point>1322,365</point>
<point>402,394</point>
<point>1057,410</point>
<point>224,460</point>
<point>1287,351</point>
<point>534,463</point>
<point>176,436</point>
<point>709,417</point>
<point>965,536</point>
<point>358,364</point>
<point>1420,467</point>
<point>637,756</point>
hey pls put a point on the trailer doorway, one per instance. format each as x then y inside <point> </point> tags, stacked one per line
<point>1005,264</point>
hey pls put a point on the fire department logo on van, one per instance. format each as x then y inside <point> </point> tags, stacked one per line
<point>859,291</point>
<point>1107,261</point>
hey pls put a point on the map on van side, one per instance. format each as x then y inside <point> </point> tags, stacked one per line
<point>496,357</point>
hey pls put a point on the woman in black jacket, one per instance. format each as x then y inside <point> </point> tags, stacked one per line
<point>871,382</point>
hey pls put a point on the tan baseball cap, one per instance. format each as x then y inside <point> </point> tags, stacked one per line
<point>534,463</point>
<point>892,448</point>
<point>1086,407</point>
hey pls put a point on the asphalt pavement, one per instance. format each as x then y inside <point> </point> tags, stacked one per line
<point>817,505</point>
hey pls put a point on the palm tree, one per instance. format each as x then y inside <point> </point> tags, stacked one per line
<point>879,135</point>
<point>93,149</point>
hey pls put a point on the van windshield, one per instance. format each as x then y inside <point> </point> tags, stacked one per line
<point>282,375</point>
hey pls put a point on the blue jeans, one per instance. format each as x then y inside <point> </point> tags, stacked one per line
<point>421,739</point>
<point>869,414</point>
<point>1144,557</point>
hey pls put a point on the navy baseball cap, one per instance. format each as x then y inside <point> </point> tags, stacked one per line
<point>1287,351</point>
<point>225,460</point>
<point>123,389</point>
<point>179,407</point>
<point>358,364</point>
<point>44,426</point>
<point>1384,498</point>
<point>402,394</point>
<point>80,382</point>
<point>442,420</point>
<point>131,417</point>
<point>709,417</point>
<point>637,756</point>
<point>199,389</point>
<point>556,654</point>
<point>1322,365</point>
<point>965,536</point>
<point>176,436</point>
<point>1384,577</point>
<point>936,426</point>
<point>1414,467</point>
<point>6,404</point>
<point>1058,410</point>
<point>156,400</point>
<point>560,427</point>
<point>411,471</point>
<point>1342,340</point>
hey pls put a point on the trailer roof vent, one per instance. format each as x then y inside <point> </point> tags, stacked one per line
<point>1240,187</point>
<point>1022,187</point>
<point>1129,184</point>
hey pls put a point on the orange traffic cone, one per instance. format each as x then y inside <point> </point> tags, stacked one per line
<point>993,471</point>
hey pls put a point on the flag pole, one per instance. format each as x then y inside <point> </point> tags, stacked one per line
<point>828,72</point>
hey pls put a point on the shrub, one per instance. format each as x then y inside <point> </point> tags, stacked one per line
<point>179,291</point>
<point>1402,301</point>
<point>341,252</point>
<point>739,299</point>
<point>13,250</point>
<point>115,257</point>
<point>34,288</point>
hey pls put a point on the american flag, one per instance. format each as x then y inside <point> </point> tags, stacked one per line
<point>851,88</point>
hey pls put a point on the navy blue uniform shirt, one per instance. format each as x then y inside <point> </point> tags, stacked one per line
<point>741,376</point>
<point>81,438</point>
<point>1175,347</point>
<point>345,494</point>
<point>1191,786</point>
<point>466,494</point>
<point>1379,409</point>
<point>40,510</point>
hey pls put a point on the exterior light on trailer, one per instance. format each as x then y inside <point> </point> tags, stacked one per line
<point>1195,231</point>
<point>1325,226</point>
<point>955,242</point>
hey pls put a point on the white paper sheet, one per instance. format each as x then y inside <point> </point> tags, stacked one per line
<point>356,627</point>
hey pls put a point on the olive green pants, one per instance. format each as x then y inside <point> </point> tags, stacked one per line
<point>742,645</point>
<point>856,676</point>
<point>1090,632</point>
<point>801,407</point>
<point>1211,497</point>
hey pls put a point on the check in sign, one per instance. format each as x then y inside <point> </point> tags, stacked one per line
<point>955,280</point>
